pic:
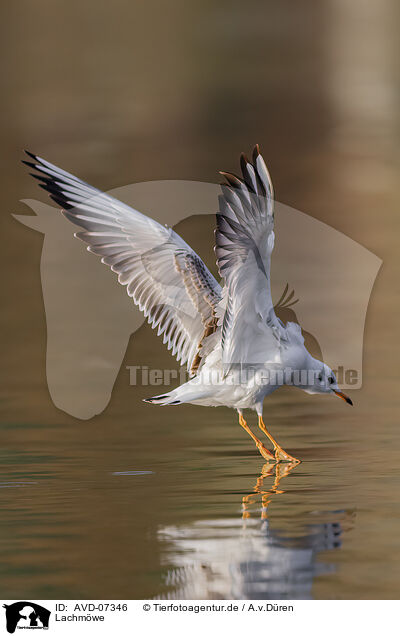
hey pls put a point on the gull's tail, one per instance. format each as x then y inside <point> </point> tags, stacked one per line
<point>163,400</point>
<point>188,392</point>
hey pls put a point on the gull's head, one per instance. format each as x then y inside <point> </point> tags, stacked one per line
<point>323,380</point>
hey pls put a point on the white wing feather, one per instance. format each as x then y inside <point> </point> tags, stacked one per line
<point>251,332</point>
<point>164,276</point>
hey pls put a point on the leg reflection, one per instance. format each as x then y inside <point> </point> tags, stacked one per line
<point>279,471</point>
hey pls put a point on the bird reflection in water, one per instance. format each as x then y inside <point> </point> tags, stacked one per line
<point>244,558</point>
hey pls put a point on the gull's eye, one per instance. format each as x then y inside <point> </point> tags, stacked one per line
<point>331,380</point>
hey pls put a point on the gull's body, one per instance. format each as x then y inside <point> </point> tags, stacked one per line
<point>228,336</point>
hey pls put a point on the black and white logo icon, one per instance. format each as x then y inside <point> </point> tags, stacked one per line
<point>26,615</point>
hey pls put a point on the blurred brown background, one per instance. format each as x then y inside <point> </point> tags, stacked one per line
<point>125,92</point>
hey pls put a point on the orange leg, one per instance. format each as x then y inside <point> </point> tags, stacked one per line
<point>280,454</point>
<point>262,449</point>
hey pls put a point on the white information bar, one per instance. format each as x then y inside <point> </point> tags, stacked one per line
<point>194,617</point>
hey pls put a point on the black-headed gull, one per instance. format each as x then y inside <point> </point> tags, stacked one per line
<point>236,349</point>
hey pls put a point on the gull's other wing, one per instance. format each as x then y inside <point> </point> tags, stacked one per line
<point>251,332</point>
<point>166,279</point>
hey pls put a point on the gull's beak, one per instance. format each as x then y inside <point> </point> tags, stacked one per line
<point>343,396</point>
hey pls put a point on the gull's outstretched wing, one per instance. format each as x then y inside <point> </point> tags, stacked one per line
<point>163,275</point>
<point>251,332</point>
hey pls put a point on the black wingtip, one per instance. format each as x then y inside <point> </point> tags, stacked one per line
<point>233,180</point>
<point>40,177</point>
<point>256,152</point>
<point>152,400</point>
<point>30,154</point>
<point>28,163</point>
